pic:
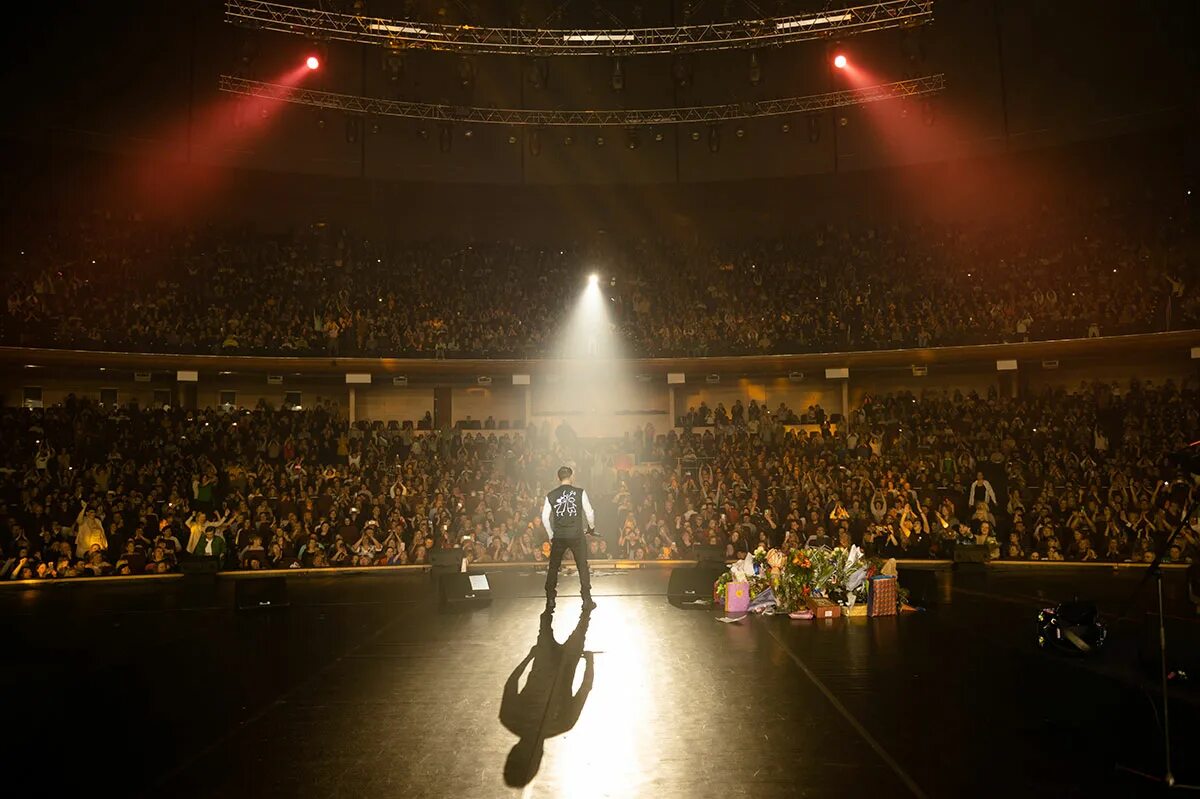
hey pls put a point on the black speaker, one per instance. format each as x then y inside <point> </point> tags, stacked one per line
<point>970,553</point>
<point>922,586</point>
<point>199,564</point>
<point>440,558</point>
<point>464,590</point>
<point>710,553</point>
<point>260,592</point>
<point>689,583</point>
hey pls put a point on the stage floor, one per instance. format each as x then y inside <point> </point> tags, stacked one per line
<point>363,689</point>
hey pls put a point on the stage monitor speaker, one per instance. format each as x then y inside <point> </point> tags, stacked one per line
<point>710,553</point>
<point>440,558</point>
<point>464,590</point>
<point>690,583</point>
<point>199,564</point>
<point>921,584</point>
<point>970,553</point>
<point>251,593</point>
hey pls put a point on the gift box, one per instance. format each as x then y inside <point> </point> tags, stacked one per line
<point>857,609</point>
<point>737,597</point>
<point>882,598</point>
<point>823,608</point>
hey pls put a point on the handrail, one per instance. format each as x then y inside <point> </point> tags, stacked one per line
<point>1141,343</point>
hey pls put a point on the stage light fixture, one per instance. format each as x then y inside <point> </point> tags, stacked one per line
<point>839,61</point>
<point>312,62</point>
<point>593,279</point>
<point>618,76</point>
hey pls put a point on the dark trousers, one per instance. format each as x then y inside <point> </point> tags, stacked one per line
<point>578,547</point>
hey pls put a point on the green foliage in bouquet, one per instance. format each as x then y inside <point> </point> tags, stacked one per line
<point>836,574</point>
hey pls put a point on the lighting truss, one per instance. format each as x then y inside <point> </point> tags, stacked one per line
<point>560,41</point>
<point>354,104</point>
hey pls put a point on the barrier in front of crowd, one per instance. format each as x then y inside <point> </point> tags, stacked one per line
<point>913,565</point>
<point>248,574</point>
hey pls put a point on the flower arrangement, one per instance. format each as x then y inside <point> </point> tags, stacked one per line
<point>840,575</point>
<point>751,570</point>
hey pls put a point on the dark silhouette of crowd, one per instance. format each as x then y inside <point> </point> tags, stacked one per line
<point>127,285</point>
<point>90,491</point>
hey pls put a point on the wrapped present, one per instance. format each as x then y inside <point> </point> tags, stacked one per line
<point>857,609</point>
<point>737,597</point>
<point>882,599</point>
<point>823,608</point>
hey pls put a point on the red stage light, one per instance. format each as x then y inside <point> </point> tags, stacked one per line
<point>839,61</point>
<point>312,62</point>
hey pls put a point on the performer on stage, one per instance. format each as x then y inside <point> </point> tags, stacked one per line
<point>563,516</point>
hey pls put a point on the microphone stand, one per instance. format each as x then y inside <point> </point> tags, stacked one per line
<point>1155,571</point>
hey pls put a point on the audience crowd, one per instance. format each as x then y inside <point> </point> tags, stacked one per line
<point>87,490</point>
<point>132,286</point>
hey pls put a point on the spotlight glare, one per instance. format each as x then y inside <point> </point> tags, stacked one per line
<point>593,279</point>
<point>839,61</point>
<point>312,62</point>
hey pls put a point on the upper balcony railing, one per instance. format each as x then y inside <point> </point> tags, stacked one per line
<point>1175,345</point>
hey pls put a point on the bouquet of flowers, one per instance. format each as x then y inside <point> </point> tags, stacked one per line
<point>840,575</point>
<point>749,570</point>
<point>796,581</point>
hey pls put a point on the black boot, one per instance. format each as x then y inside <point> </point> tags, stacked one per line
<point>588,603</point>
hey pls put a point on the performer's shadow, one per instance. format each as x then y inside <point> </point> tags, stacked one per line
<point>546,706</point>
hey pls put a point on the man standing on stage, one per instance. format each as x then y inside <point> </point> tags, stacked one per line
<point>563,516</point>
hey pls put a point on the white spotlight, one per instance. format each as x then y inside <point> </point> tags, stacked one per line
<point>593,279</point>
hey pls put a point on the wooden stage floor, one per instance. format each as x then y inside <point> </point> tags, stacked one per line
<point>362,688</point>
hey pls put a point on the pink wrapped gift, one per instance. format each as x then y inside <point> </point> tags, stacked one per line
<point>737,597</point>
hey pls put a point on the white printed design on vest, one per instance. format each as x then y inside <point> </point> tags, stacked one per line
<point>565,504</point>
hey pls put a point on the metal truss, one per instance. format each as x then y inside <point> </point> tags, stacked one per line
<point>915,87</point>
<point>740,34</point>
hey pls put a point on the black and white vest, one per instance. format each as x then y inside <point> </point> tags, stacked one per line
<point>566,511</point>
